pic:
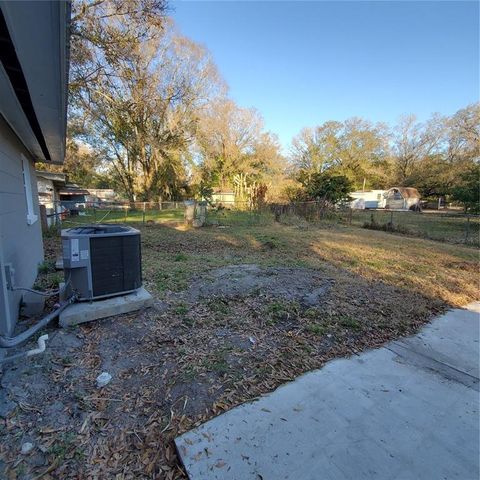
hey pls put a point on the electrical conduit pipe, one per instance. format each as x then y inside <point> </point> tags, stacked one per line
<point>9,342</point>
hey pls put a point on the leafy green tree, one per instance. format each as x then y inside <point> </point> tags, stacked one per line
<point>467,191</point>
<point>83,166</point>
<point>327,187</point>
<point>203,183</point>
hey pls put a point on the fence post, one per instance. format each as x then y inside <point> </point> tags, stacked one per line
<point>143,220</point>
<point>467,229</point>
<point>126,208</point>
<point>189,211</point>
<point>94,214</point>
<point>391,219</point>
<point>58,213</point>
<point>43,217</point>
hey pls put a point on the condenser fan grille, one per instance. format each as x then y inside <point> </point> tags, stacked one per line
<point>116,264</point>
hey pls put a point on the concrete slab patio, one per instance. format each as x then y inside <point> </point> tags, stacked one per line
<point>409,410</point>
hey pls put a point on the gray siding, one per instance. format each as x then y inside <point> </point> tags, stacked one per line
<point>20,243</point>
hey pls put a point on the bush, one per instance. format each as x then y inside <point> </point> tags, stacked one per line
<point>467,191</point>
<point>325,186</point>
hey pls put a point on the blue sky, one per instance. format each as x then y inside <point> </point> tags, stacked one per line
<point>302,63</point>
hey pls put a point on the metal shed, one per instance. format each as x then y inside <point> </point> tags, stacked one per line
<point>402,198</point>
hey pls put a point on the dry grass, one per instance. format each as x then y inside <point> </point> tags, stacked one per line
<point>178,364</point>
<point>434,269</point>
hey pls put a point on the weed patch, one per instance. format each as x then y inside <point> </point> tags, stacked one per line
<point>316,329</point>
<point>349,322</point>
<point>65,445</point>
<point>181,309</point>
<point>281,310</point>
<point>219,305</point>
<point>218,361</point>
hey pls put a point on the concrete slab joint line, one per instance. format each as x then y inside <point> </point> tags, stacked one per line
<point>424,361</point>
<point>409,410</point>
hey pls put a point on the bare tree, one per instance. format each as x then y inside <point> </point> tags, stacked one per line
<point>316,149</point>
<point>463,135</point>
<point>355,148</point>
<point>413,141</point>
<point>226,135</point>
<point>104,30</point>
<point>142,103</point>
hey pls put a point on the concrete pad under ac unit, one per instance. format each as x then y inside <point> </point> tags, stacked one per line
<point>87,311</point>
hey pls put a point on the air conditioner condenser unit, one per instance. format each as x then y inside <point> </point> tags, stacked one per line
<point>102,261</point>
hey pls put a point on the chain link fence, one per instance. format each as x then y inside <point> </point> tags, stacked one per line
<point>70,213</point>
<point>441,225</point>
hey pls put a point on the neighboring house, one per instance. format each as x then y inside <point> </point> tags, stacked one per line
<point>74,198</point>
<point>368,199</point>
<point>33,96</point>
<point>104,194</point>
<point>402,198</point>
<point>223,197</point>
<point>49,185</point>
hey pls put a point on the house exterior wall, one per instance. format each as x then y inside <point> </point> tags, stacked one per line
<point>227,197</point>
<point>20,243</point>
<point>46,192</point>
<point>48,196</point>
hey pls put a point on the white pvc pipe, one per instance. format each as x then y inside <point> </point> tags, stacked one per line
<point>34,351</point>
<point>41,346</point>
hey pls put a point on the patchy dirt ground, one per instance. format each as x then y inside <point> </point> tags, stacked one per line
<point>235,317</point>
<point>290,284</point>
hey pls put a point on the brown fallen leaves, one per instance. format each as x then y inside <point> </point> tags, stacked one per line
<point>174,369</point>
